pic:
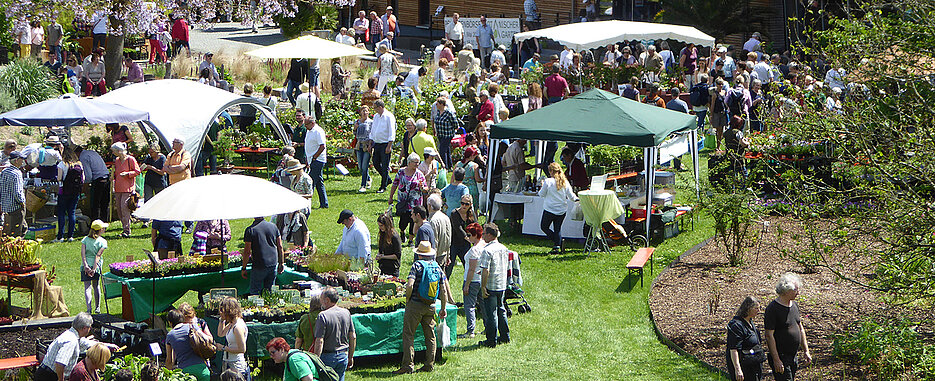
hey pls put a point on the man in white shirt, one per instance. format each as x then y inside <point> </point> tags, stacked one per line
<point>306,100</point>
<point>438,50</point>
<point>344,38</point>
<point>317,156</point>
<point>455,32</point>
<point>355,237</point>
<point>62,355</point>
<point>388,18</point>
<point>761,70</point>
<point>382,133</point>
<point>361,25</point>
<point>753,43</point>
<point>500,58</point>
<point>730,67</point>
<point>564,59</point>
<point>412,79</point>
<point>99,24</point>
<point>493,263</point>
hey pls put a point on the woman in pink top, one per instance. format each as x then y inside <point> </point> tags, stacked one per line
<point>125,171</point>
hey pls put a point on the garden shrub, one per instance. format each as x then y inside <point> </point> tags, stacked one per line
<point>892,351</point>
<point>28,82</point>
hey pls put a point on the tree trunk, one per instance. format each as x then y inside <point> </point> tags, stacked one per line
<point>113,59</point>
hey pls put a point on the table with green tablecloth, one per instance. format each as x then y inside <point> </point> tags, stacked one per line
<point>377,333</point>
<point>599,206</point>
<point>171,288</point>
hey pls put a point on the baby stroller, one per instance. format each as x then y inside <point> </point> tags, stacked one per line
<point>514,291</point>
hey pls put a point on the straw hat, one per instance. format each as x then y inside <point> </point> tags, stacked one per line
<point>425,249</point>
<point>303,87</point>
<point>294,165</point>
<point>52,140</point>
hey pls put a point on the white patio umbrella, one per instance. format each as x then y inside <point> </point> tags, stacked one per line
<point>226,197</point>
<point>71,110</point>
<point>308,47</point>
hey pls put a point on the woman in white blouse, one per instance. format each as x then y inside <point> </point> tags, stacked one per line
<point>555,191</point>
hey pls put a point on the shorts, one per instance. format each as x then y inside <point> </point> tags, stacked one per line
<point>718,119</point>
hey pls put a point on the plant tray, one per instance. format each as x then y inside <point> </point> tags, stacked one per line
<point>25,269</point>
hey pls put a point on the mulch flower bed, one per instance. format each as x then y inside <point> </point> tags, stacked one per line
<point>693,300</point>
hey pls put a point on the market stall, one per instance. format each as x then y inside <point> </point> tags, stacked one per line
<point>532,211</point>
<point>610,119</point>
<point>593,35</point>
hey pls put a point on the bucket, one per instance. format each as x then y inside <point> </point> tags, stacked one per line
<point>710,142</point>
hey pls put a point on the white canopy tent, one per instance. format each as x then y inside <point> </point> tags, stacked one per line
<point>184,109</point>
<point>226,197</point>
<point>308,47</point>
<point>593,35</point>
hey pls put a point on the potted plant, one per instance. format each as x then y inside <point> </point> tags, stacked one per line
<point>224,149</point>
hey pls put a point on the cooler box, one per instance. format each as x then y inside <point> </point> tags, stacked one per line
<point>44,232</point>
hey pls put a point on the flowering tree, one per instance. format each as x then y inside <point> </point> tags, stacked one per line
<point>136,16</point>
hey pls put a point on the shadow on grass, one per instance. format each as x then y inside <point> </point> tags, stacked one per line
<point>565,257</point>
<point>628,283</point>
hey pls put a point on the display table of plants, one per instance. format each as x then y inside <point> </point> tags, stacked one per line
<point>183,265</point>
<point>19,256</point>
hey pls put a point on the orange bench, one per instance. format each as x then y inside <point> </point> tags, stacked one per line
<point>638,261</point>
<point>18,362</point>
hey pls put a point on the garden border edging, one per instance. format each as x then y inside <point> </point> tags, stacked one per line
<point>665,340</point>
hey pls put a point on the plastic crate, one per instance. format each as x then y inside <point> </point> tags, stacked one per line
<point>44,232</point>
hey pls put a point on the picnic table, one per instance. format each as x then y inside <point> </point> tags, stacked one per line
<point>248,151</point>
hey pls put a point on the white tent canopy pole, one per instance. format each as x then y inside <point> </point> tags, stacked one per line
<point>592,35</point>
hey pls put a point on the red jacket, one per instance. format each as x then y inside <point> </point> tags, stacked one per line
<point>180,30</point>
<point>486,111</point>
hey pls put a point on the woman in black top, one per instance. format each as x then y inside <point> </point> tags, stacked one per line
<point>460,219</point>
<point>390,246</point>
<point>743,343</point>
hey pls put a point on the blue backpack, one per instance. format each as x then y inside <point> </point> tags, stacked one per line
<point>431,283</point>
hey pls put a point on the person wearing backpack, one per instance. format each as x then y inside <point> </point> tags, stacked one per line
<point>425,285</point>
<point>738,100</point>
<point>700,98</point>
<point>299,365</point>
<point>718,107</point>
<point>335,337</point>
<point>493,264</point>
<point>180,348</point>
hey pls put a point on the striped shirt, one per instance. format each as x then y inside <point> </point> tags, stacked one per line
<point>12,194</point>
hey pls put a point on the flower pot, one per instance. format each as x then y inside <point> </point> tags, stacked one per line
<point>226,169</point>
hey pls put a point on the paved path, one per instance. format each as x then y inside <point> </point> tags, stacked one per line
<point>233,38</point>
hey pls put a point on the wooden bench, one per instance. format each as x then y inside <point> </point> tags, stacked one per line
<point>638,261</point>
<point>18,362</point>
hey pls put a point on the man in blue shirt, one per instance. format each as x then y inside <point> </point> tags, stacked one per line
<point>485,41</point>
<point>355,239</point>
<point>531,63</point>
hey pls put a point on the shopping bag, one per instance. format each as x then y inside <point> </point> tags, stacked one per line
<point>576,213</point>
<point>442,334</point>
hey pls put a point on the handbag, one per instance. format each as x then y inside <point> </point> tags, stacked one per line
<point>442,180</point>
<point>753,356</point>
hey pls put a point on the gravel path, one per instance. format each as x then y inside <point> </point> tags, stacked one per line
<point>233,37</point>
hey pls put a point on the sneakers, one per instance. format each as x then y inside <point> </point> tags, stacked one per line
<point>57,240</point>
<point>467,335</point>
<point>368,183</point>
<point>381,190</point>
<point>71,239</point>
<point>362,190</point>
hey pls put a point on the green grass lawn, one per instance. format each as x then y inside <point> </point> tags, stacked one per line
<point>586,323</point>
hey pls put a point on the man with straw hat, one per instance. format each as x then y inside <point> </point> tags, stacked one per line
<point>426,283</point>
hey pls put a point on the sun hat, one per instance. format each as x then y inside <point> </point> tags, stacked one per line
<point>722,49</point>
<point>98,225</point>
<point>425,249</point>
<point>303,87</point>
<point>53,140</point>
<point>429,151</point>
<point>294,165</point>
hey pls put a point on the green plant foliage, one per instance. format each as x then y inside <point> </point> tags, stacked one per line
<point>892,351</point>
<point>310,16</point>
<point>28,82</point>
<point>7,101</point>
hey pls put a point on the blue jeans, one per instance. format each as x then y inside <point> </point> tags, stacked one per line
<point>66,214</point>
<point>444,151</point>
<point>470,305</point>
<point>701,115</point>
<point>57,52</point>
<point>495,318</point>
<point>337,361</point>
<point>381,161</point>
<point>262,278</point>
<point>313,74</point>
<point>292,91</point>
<point>363,163</point>
<point>206,157</point>
<point>315,171</point>
<point>554,100</point>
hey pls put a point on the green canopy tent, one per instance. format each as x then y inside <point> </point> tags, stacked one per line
<point>600,117</point>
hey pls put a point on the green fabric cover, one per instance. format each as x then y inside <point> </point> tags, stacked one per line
<point>174,287</point>
<point>599,206</point>
<point>377,334</point>
<point>597,117</point>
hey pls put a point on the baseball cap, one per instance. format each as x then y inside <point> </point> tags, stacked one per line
<point>345,214</point>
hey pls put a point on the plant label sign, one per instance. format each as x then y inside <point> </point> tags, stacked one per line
<point>221,293</point>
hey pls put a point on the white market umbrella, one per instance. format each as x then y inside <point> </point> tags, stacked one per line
<point>226,197</point>
<point>308,47</point>
<point>71,110</point>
